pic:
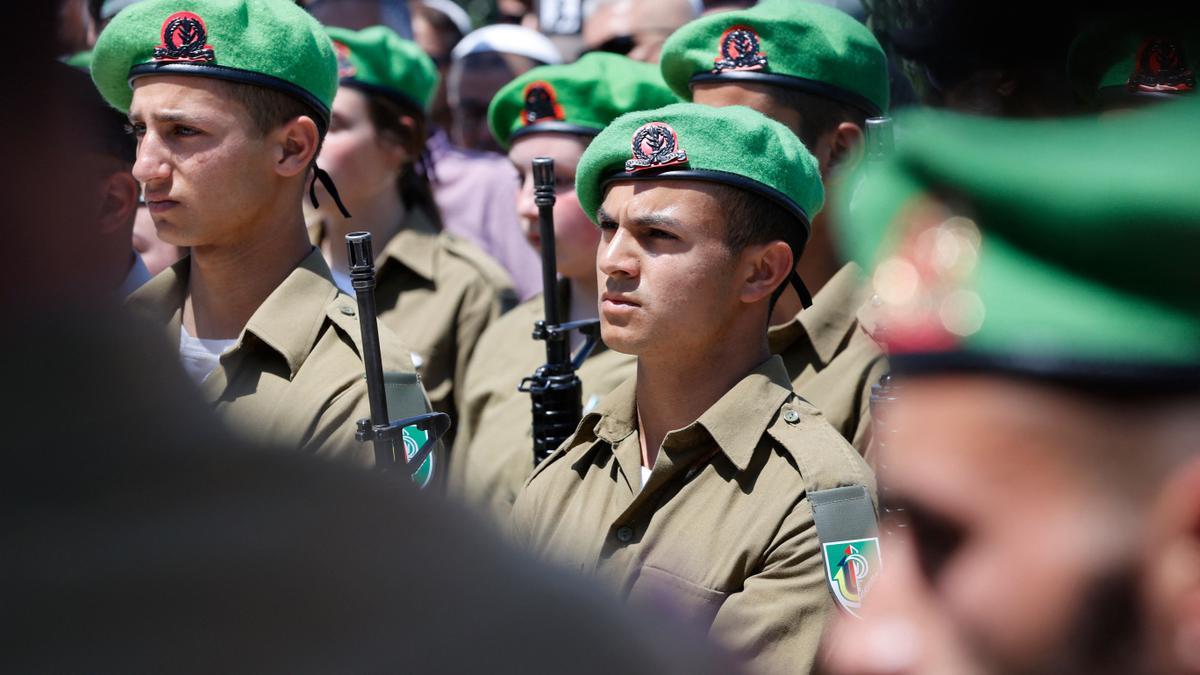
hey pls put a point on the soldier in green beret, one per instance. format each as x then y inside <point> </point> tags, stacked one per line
<point>822,74</point>
<point>552,111</point>
<point>229,101</point>
<point>435,291</point>
<point>704,481</point>
<point>1036,288</point>
<point>1127,60</point>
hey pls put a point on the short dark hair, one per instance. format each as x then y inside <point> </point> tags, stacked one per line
<point>818,115</point>
<point>270,108</point>
<point>751,219</point>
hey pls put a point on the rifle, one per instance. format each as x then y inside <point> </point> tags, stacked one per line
<point>554,388</point>
<point>391,444</point>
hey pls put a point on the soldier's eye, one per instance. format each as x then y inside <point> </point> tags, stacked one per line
<point>186,131</point>
<point>661,234</point>
<point>606,224</point>
<point>936,540</point>
<point>135,130</point>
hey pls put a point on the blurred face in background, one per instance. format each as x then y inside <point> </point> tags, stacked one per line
<point>474,80</point>
<point>575,237</point>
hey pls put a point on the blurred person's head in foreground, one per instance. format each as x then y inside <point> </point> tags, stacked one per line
<point>105,150</point>
<point>555,111</point>
<point>1129,60</point>
<point>482,63</point>
<point>1041,451</point>
<point>813,68</point>
<point>438,26</point>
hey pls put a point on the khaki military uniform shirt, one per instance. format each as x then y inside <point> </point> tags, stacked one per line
<point>832,360</point>
<point>438,293</point>
<point>293,378</point>
<point>722,529</point>
<point>493,452</point>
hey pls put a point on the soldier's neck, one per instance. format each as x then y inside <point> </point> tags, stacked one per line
<point>228,283</point>
<point>676,386</point>
<point>382,216</point>
<point>582,304</point>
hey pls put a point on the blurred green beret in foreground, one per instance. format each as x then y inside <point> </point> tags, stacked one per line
<point>733,146</point>
<point>1055,248</point>
<point>268,43</point>
<point>578,98</point>
<point>1125,58</point>
<point>377,60</point>
<point>805,46</point>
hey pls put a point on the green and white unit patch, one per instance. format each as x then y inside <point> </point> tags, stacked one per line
<point>851,567</point>
<point>414,439</point>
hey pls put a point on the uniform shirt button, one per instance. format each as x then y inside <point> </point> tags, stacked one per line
<point>347,310</point>
<point>624,534</point>
<point>791,416</point>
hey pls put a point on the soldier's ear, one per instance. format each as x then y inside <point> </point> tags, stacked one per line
<point>296,144</point>
<point>1173,587</point>
<point>846,147</point>
<point>119,202</point>
<point>766,267</point>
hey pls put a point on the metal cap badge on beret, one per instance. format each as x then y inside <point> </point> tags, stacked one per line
<point>804,46</point>
<point>1060,249</point>
<point>578,98</point>
<point>268,43</point>
<point>377,60</point>
<point>1130,57</point>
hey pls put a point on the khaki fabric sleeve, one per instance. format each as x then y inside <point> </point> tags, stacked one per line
<point>482,303</point>
<point>862,433</point>
<point>776,621</point>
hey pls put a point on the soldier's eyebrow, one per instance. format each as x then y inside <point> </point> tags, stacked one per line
<point>603,216</point>
<point>651,220</point>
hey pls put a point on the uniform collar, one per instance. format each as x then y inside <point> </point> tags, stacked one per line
<point>830,318</point>
<point>290,319</point>
<point>414,246</point>
<point>735,422</point>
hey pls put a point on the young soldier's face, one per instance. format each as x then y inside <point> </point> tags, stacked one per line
<point>205,169</point>
<point>1017,540</point>
<point>666,275</point>
<point>575,237</point>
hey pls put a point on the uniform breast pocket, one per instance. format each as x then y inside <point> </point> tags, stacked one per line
<point>692,602</point>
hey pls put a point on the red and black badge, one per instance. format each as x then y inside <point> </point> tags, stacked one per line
<point>345,65</point>
<point>541,104</point>
<point>183,39</point>
<point>740,51</point>
<point>655,145</point>
<point>1161,66</point>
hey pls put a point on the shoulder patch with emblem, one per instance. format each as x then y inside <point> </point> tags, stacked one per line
<point>851,567</point>
<point>345,65</point>
<point>184,38</point>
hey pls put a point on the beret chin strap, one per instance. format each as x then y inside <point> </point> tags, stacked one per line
<point>801,290</point>
<point>320,174</point>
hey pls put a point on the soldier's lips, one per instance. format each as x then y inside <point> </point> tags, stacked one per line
<point>160,205</point>
<point>618,300</point>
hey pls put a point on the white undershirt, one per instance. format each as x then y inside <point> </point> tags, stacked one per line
<point>199,356</point>
<point>645,475</point>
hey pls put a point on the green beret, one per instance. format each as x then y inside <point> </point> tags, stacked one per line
<point>379,61</point>
<point>805,46</point>
<point>733,146</point>
<point>81,60</point>
<point>1135,57</point>
<point>1061,248</point>
<point>268,43</point>
<point>579,98</point>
